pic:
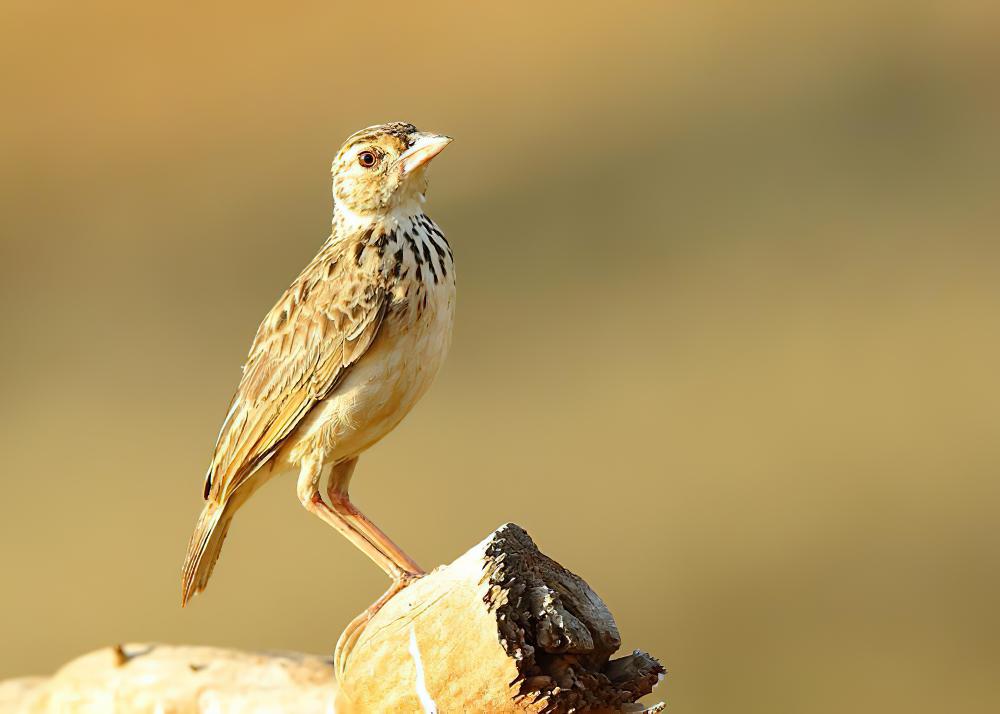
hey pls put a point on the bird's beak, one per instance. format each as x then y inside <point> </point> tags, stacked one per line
<point>425,147</point>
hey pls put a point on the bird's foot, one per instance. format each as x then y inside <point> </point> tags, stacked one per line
<point>349,637</point>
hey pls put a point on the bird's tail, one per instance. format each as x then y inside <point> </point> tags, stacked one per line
<point>204,548</point>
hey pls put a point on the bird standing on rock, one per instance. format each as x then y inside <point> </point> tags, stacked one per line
<point>342,357</point>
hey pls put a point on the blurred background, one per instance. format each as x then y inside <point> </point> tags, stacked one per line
<point>727,340</point>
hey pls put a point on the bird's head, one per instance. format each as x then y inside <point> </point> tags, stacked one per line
<point>383,166</point>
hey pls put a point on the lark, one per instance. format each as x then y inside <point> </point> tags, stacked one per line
<point>342,357</point>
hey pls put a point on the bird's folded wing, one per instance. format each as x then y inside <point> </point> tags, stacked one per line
<point>322,325</point>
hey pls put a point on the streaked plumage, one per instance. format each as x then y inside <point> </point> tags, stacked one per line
<point>344,354</point>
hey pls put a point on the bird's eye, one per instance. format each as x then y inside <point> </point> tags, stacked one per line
<point>367,159</point>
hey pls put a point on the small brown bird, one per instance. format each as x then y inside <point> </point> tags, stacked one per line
<point>343,356</point>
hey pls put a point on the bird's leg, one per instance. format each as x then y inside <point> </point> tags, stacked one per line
<point>364,534</point>
<point>403,571</point>
<point>307,489</point>
<point>340,502</point>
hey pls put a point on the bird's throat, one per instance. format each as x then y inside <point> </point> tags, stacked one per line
<point>347,221</point>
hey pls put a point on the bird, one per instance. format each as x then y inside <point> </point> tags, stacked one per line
<point>342,357</point>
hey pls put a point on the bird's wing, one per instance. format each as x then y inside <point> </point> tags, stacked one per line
<point>321,326</point>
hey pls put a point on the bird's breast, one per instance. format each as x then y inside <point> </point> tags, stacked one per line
<point>408,352</point>
<point>420,318</point>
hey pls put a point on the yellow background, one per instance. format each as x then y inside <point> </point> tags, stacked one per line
<point>727,341</point>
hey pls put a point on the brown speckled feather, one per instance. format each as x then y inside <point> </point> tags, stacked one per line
<point>322,325</point>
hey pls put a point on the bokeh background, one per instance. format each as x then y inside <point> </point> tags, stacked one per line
<point>727,341</point>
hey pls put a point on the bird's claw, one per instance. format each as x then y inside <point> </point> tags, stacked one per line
<point>352,633</point>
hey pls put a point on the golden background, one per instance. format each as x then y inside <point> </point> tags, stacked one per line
<point>727,341</point>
